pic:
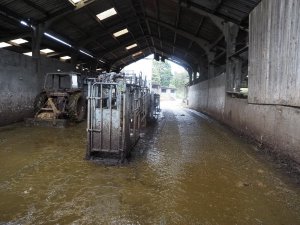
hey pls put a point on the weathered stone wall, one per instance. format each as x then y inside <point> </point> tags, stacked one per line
<point>20,82</point>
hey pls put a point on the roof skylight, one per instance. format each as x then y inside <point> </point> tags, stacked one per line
<point>106,14</point>
<point>131,46</point>
<point>28,53</point>
<point>19,41</point>
<point>4,44</point>
<point>121,32</point>
<point>65,57</point>
<point>47,51</point>
<point>136,54</point>
<point>75,1</point>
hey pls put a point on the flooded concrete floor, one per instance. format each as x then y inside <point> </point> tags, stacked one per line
<point>189,170</point>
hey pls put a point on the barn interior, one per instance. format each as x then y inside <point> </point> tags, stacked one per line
<point>243,62</point>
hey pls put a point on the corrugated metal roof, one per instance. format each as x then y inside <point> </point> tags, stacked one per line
<point>35,9</point>
<point>147,22</point>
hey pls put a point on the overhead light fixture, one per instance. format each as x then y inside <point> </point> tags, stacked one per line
<point>106,14</point>
<point>65,57</point>
<point>99,69</point>
<point>131,46</point>
<point>57,39</point>
<point>121,32</point>
<point>86,53</point>
<point>28,53</point>
<point>47,51</point>
<point>24,23</point>
<point>19,41</point>
<point>4,44</point>
<point>136,54</point>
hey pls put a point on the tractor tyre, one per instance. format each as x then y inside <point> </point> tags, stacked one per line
<point>40,101</point>
<point>77,107</point>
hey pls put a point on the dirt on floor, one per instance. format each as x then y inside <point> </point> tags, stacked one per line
<point>187,169</point>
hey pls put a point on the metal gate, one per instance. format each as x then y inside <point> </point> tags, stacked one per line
<point>118,106</point>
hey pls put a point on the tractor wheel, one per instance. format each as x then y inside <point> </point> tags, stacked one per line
<point>77,107</point>
<point>40,101</point>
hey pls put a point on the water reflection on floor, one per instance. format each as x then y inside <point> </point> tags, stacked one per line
<point>189,170</point>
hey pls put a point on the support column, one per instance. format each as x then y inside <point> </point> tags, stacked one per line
<point>93,66</point>
<point>211,74</point>
<point>231,32</point>
<point>37,36</point>
<point>194,76</point>
<point>203,68</point>
<point>211,66</point>
<point>190,76</point>
<point>74,58</point>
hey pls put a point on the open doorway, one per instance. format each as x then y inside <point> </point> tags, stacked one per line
<point>164,77</point>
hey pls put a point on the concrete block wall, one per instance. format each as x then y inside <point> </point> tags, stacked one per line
<point>200,91</point>
<point>274,126</point>
<point>20,82</point>
<point>271,114</point>
<point>209,95</point>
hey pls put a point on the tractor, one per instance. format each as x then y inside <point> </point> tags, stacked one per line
<point>62,98</point>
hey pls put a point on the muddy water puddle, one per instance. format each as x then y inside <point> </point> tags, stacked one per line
<point>188,170</point>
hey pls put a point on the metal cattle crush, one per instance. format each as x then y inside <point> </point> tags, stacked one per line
<point>119,105</point>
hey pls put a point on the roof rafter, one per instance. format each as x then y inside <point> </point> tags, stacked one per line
<point>158,18</point>
<point>121,66</point>
<point>218,5</point>
<point>35,6</point>
<point>201,42</point>
<point>61,13</point>
<point>195,56</point>
<point>15,36</point>
<point>139,24</point>
<point>170,57</point>
<point>176,24</point>
<point>127,55</point>
<point>107,31</point>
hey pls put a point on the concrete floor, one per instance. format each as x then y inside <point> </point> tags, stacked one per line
<point>188,169</point>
